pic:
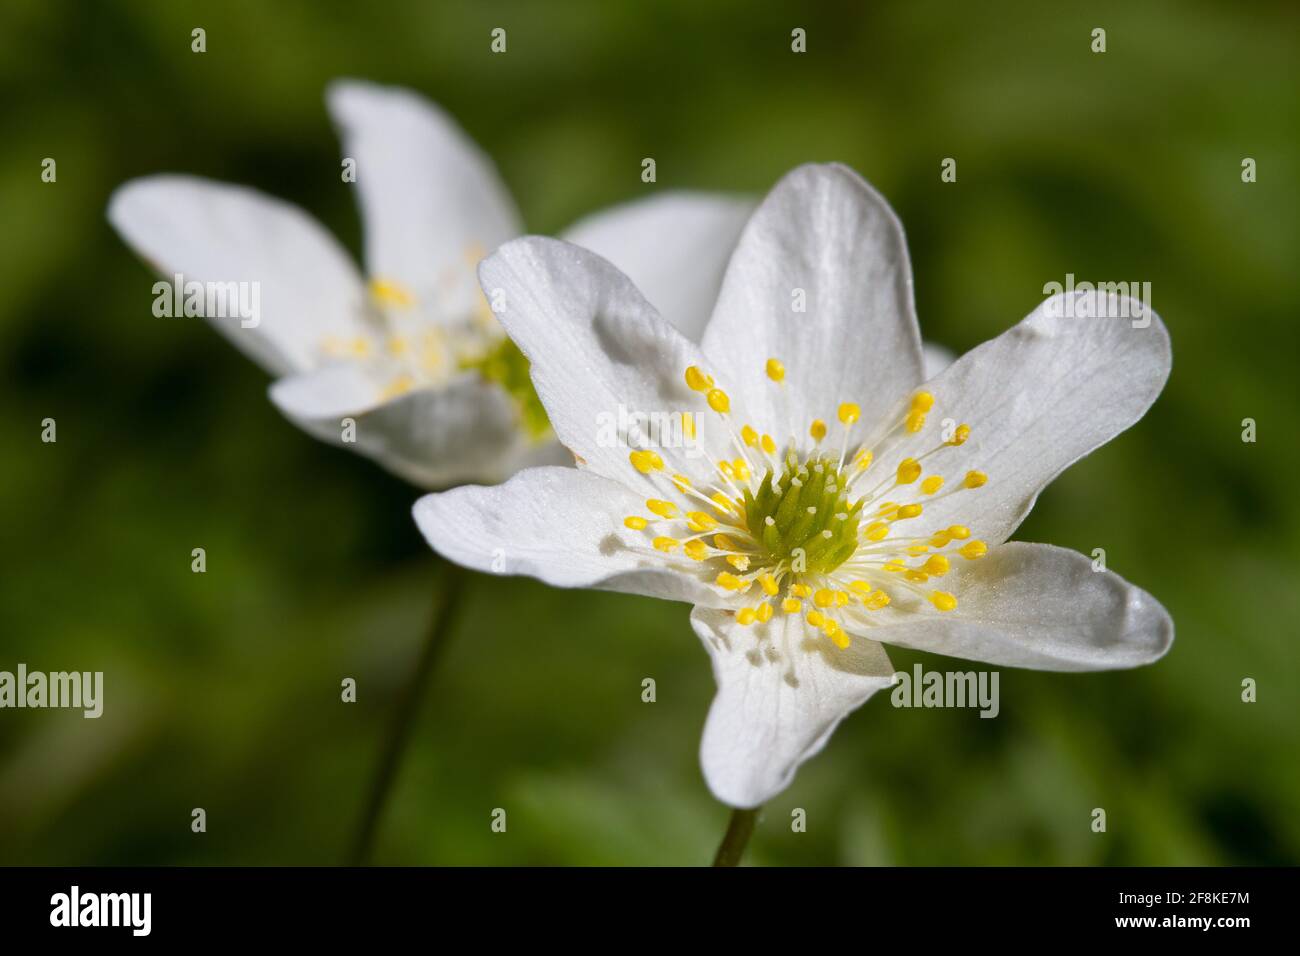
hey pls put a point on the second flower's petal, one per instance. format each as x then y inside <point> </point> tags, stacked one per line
<point>1038,398</point>
<point>1041,607</point>
<point>600,355</point>
<point>936,358</point>
<point>562,526</point>
<point>466,431</point>
<point>307,288</point>
<point>432,201</point>
<point>821,281</point>
<point>673,246</point>
<point>782,690</point>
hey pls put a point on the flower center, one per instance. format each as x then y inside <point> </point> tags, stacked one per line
<point>803,516</point>
<point>813,531</point>
<point>408,348</point>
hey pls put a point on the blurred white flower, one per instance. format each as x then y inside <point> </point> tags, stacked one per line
<point>411,353</point>
<point>842,502</point>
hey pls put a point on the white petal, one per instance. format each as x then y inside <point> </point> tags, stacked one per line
<point>307,286</point>
<point>782,690</point>
<point>936,358</point>
<point>431,200</point>
<point>599,352</point>
<point>674,247</point>
<point>466,431</point>
<point>562,526</point>
<point>824,232</point>
<point>1041,607</point>
<point>1038,398</point>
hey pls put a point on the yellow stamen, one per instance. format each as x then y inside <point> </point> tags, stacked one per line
<point>937,565</point>
<point>775,369</point>
<point>664,509</point>
<point>665,544</point>
<point>817,429</point>
<point>765,612</point>
<point>975,479</point>
<point>769,445</point>
<point>726,579</point>
<point>646,461</point>
<point>791,606</point>
<point>718,401</point>
<point>973,549</point>
<point>636,523</point>
<point>931,484</point>
<point>960,435</point>
<point>697,380</point>
<point>943,600</point>
<point>909,469</point>
<point>700,521</point>
<point>769,584</point>
<point>696,549</point>
<point>824,597</point>
<point>749,436</point>
<point>746,616</point>
<point>849,413</point>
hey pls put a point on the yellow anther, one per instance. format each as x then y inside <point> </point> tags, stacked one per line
<point>688,424</point>
<point>974,549</point>
<point>908,511</point>
<point>922,402</point>
<point>940,539</point>
<point>749,436</point>
<point>746,616</point>
<point>877,531</point>
<point>937,565</point>
<point>723,543</point>
<point>397,345</point>
<point>975,479</point>
<point>876,601</point>
<point>816,619</point>
<point>726,579</point>
<point>393,293</point>
<point>725,468</point>
<point>943,600</point>
<point>775,369</point>
<point>931,484</point>
<point>841,598</point>
<point>636,523</point>
<point>918,549</point>
<point>701,521</point>
<point>664,509</point>
<point>849,413</point>
<point>646,461</point>
<point>824,597</point>
<point>895,567</point>
<point>696,549</point>
<point>682,482</point>
<point>888,508</point>
<point>960,435</point>
<point>665,544</point>
<point>817,429</point>
<point>864,459</point>
<point>697,380</point>
<point>915,576</point>
<point>738,561</point>
<point>722,502</point>
<point>740,468</point>
<point>765,612</point>
<point>718,401</point>
<point>915,421</point>
<point>800,590</point>
<point>770,587</point>
<point>909,469</point>
<point>791,606</point>
<point>359,346</point>
<point>833,630</point>
<point>959,531</point>
<point>398,386</point>
<point>862,587</point>
<point>769,445</point>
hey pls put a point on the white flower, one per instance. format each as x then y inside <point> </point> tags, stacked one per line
<point>412,354</point>
<point>842,503</point>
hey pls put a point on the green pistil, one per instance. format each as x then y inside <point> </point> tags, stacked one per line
<point>505,365</point>
<point>816,484</point>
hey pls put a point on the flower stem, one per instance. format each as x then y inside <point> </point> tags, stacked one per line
<point>451,586</point>
<point>737,836</point>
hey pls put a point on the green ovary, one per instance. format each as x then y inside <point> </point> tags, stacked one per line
<point>505,365</point>
<point>827,535</point>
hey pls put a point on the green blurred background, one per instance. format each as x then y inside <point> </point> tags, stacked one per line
<point>222,689</point>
